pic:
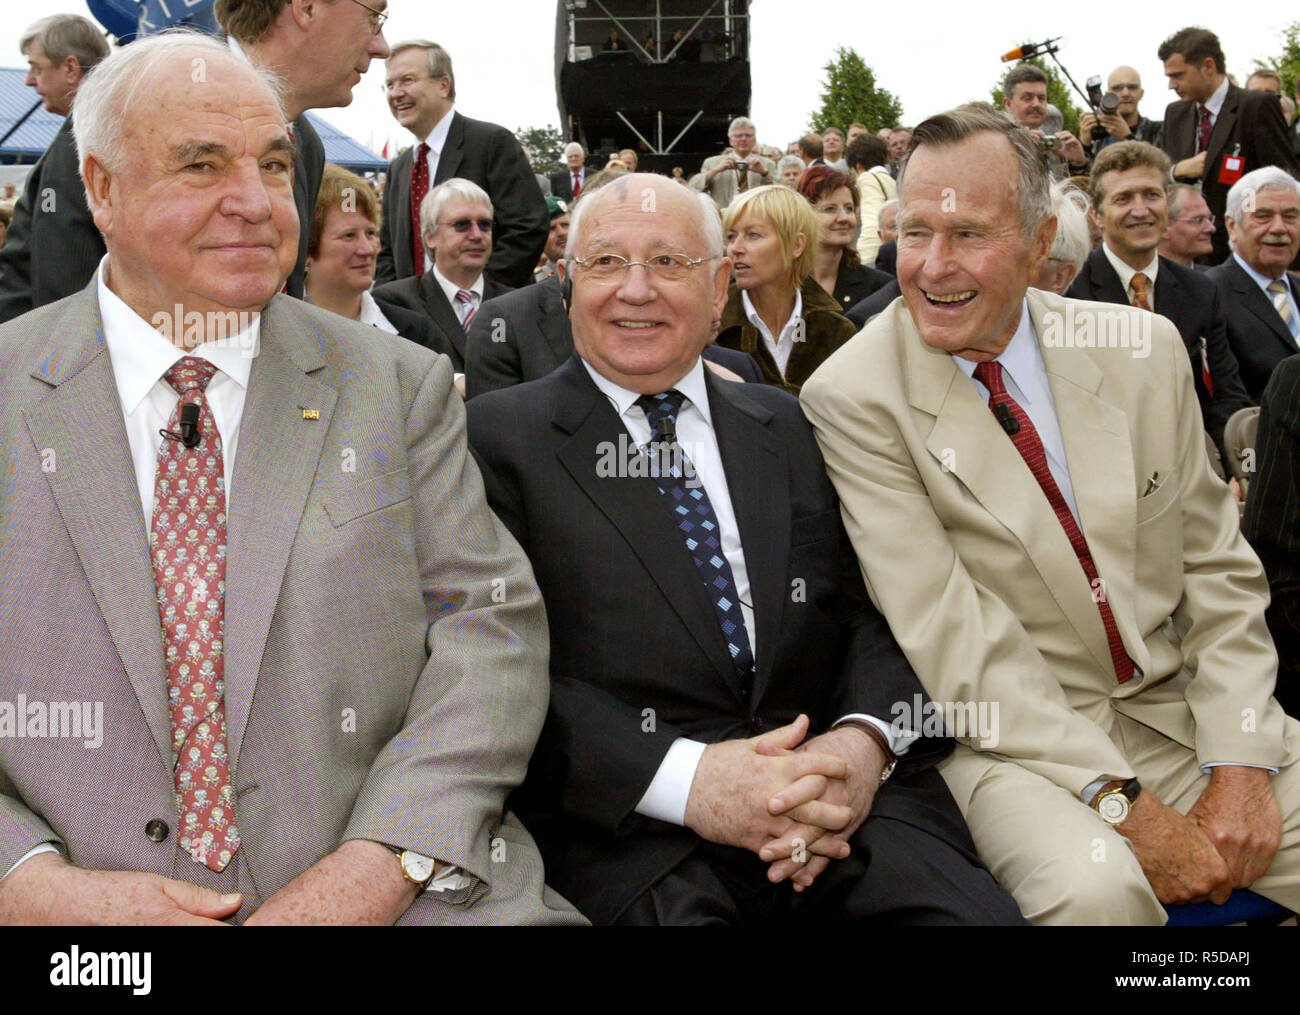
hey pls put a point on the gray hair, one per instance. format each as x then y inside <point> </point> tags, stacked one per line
<point>1072,242</point>
<point>109,91</point>
<point>709,225</point>
<point>437,198</point>
<point>1264,178</point>
<point>1174,195</point>
<point>65,35</point>
<point>572,145</point>
<point>437,61</point>
<point>741,121</point>
<point>943,130</point>
<point>789,160</point>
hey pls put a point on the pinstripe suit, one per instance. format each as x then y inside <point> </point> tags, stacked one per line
<point>385,642</point>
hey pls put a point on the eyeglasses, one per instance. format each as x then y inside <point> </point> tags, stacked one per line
<point>377,18</point>
<point>464,225</point>
<point>665,267</point>
<point>1127,86</point>
<point>1199,220</point>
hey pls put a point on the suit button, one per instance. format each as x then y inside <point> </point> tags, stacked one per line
<point>157,830</point>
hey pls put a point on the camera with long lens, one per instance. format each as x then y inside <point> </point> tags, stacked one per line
<point>1103,104</point>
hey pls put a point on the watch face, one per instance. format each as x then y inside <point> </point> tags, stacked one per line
<point>418,868</point>
<point>1113,807</point>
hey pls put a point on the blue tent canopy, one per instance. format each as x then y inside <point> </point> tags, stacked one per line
<point>28,142</point>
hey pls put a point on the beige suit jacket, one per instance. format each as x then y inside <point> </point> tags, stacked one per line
<point>974,572</point>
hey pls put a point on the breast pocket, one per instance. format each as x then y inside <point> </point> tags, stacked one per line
<point>1159,499</point>
<point>367,497</point>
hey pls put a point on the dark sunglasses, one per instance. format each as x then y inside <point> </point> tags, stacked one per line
<point>463,225</point>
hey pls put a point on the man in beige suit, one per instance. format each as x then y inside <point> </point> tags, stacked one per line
<point>1025,481</point>
<point>306,701</point>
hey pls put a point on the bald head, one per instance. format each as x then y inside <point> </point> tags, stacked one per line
<point>693,214</point>
<point>1127,84</point>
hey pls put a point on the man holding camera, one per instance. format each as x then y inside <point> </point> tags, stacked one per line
<point>1103,128</point>
<point>1024,96</point>
<point>738,168</point>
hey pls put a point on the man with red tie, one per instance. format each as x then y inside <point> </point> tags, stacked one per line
<point>567,183</point>
<point>422,95</point>
<point>1035,514</point>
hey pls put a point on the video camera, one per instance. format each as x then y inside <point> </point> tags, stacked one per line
<point>1103,104</point>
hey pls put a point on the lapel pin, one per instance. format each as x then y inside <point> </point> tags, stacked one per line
<point>311,414</point>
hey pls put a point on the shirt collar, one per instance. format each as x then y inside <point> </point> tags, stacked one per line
<point>1215,102</point>
<point>1260,280</point>
<point>450,289</point>
<point>758,321</point>
<point>437,139</point>
<point>141,355</point>
<point>1126,273</point>
<point>1020,359</point>
<point>691,385</point>
<point>372,314</point>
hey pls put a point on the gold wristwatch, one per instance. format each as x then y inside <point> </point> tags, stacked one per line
<point>416,867</point>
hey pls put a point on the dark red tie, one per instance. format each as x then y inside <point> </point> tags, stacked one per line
<point>1030,446</point>
<point>419,188</point>
<point>1203,132</point>
<point>577,183</point>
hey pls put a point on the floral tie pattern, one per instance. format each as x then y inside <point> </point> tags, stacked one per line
<point>187,543</point>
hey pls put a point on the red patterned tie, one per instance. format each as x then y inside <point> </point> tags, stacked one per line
<point>1030,446</point>
<point>467,309</point>
<point>1139,284</point>
<point>1203,131</point>
<point>188,546</point>
<point>419,188</point>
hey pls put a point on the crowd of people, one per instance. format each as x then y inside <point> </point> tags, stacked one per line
<point>873,531</point>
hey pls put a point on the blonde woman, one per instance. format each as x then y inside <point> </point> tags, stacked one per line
<point>777,313</point>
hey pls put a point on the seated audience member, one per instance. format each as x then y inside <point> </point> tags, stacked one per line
<point>629,158</point>
<point>559,235</point>
<point>456,224</point>
<point>867,157</point>
<point>1036,516</point>
<point>1261,297</point>
<point>788,171</point>
<point>225,630</point>
<point>666,788</point>
<point>887,230</point>
<point>1070,247</point>
<point>614,43</point>
<point>1272,521</point>
<point>833,149</point>
<point>810,149</point>
<point>836,268</point>
<point>525,334</point>
<point>1128,197</point>
<point>776,312</point>
<point>1190,233</point>
<point>341,252</point>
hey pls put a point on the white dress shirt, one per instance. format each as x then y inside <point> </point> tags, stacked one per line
<point>1025,377</point>
<point>781,347</point>
<point>437,141</point>
<point>450,289</point>
<point>1126,274</point>
<point>1263,282</point>
<point>1215,102</point>
<point>371,314</point>
<point>666,797</point>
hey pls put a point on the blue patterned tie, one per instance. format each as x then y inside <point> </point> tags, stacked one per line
<point>698,526</point>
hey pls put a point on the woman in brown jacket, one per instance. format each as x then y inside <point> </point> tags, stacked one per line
<point>776,312</point>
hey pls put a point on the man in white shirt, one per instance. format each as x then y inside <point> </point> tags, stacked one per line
<point>257,544</point>
<point>706,620</point>
<point>1034,511</point>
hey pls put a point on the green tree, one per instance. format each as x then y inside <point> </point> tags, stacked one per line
<point>1287,63</point>
<point>1059,94</point>
<point>544,147</point>
<point>850,95</point>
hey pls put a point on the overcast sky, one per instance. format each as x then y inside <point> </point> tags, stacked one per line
<point>931,55</point>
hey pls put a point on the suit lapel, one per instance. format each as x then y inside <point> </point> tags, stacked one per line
<point>758,481</point>
<point>1254,299</point>
<point>278,457</point>
<point>94,485</point>
<point>1106,286</point>
<point>636,508</point>
<point>442,313</point>
<point>402,169</point>
<point>453,151</point>
<point>552,321</point>
<point>1223,126</point>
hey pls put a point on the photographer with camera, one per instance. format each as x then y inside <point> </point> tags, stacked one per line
<point>1114,115</point>
<point>1024,95</point>
<point>737,169</point>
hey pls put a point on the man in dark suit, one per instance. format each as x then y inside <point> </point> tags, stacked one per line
<point>421,93</point>
<point>1261,298</point>
<point>1214,120</point>
<point>566,184</point>
<point>691,646</point>
<point>1128,196</point>
<point>453,291</point>
<point>52,247</point>
<point>1272,522</point>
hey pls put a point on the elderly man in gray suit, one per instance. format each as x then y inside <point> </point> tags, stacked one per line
<point>310,699</point>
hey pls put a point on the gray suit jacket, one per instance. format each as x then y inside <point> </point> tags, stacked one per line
<point>386,645</point>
